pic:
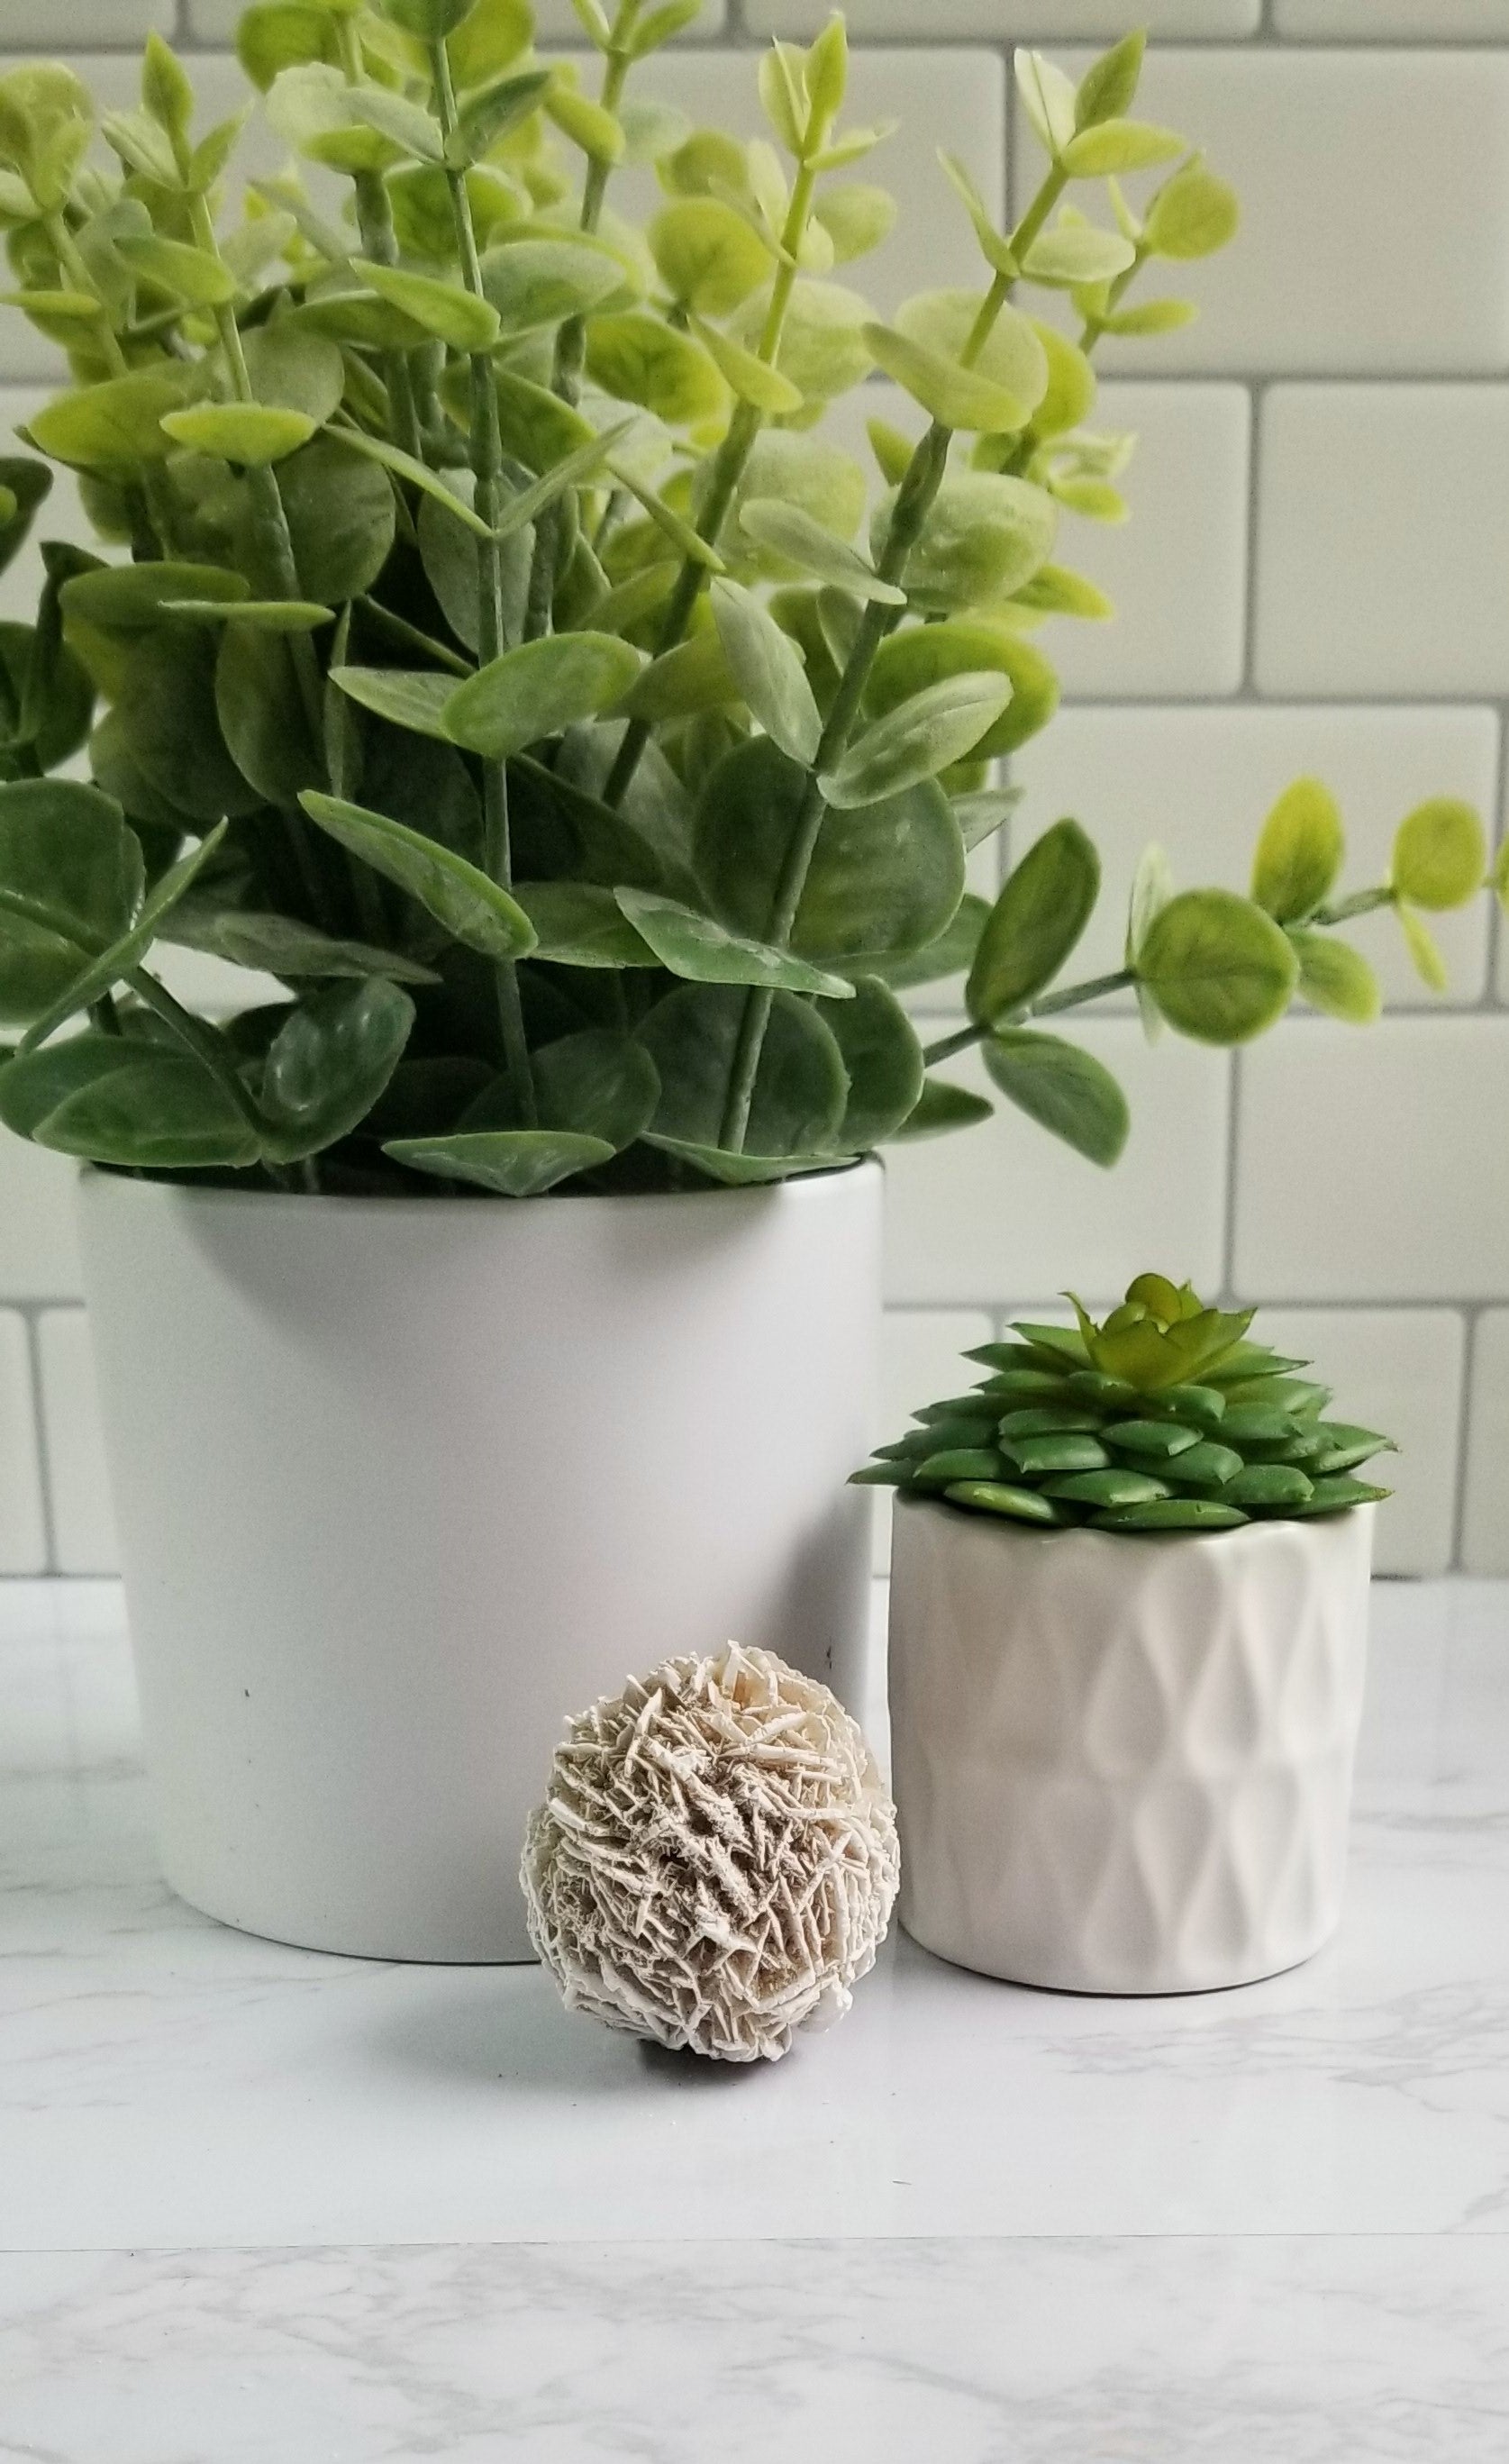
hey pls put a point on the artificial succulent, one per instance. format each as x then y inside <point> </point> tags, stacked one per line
<point>1166,1417</point>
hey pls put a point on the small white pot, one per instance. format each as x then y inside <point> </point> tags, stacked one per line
<point>401,1483</point>
<point>1125,1766</point>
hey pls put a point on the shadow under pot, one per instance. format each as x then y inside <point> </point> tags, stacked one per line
<point>1125,1765</point>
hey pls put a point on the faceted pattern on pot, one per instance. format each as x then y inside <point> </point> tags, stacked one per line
<point>1125,1766</point>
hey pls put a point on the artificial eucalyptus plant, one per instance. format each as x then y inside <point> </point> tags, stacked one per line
<point>495,653</point>
<point>1166,1417</point>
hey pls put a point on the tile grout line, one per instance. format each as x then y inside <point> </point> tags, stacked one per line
<point>1471,1318</point>
<point>31,1319</point>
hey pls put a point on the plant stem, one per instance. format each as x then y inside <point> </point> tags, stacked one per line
<point>1362,902</point>
<point>70,259</point>
<point>487,463</point>
<point>723,479</point>
<point>375,218</point>
<point>1052,1006</point>
<point>915,496</point>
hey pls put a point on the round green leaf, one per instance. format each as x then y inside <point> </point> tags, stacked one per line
<point>707,257</point>
<point>342,519</point>
<point>138,597</point>
<point>599,1085</point>
<point>799,1093</point>
<point>1039,915</point>
<point>825,345</point>
<point>956,396</point>
<point>455,316</point>
<point>1337,978</point>
<point>637,359</point>
<point>1115,146</point>
<point>705,953</point>
<point>460,896</point>
<point>510,1163</point>
<point>1072,253</point>
<point>581,924</point>
<point>767,669</point>
<point>327,1065</point>
<point>1218,967</point>
<point>985,535</point>
<point>1300,853</point>
<point>1193,214</point>
<point>533,282</point>
<point>1012,354</point>
<point>1440,854</point>
<point>921,656</point>
<point>112,426</point>
<point>1065,1088</point>
<point>883,878</point>
<point>244,433</point>
<point>537,689</point>
<point>919,738</point>
<point>884,1061</point>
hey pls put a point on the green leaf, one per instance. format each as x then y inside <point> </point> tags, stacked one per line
<point>1152,317</point>
<point>537,689</point>
<point>986,534</point>
<point>242,433</point>
<point>522,508</point>
<point>262,715</point>
<point>1300,852</point>
<point>855,218</point>
<point>510,1163</point>
<point>884,1061</point>
<point>26,484</point>
<point>342,519</point>
<point>170,728</point>
<point>536,283</point>
<point>1425,955</point>
<point>951,953</point>
<point>1171,1515</point>
<point>1193,214</point>
<point>113,425</point>
<point>279,945</point>
<point>69,866</point>
<point>935,727</point>
<point>926,655</point>
<point>1218,967</point>
<point>1012,354</point>
<point>707,254</point>
<point>957,396</point>
<point>470,907</point>
<point>190,274</point>
<point>790,532</point>
<point>768,670</point>
<point>637,359</point>
<point>743,1171</point>
<point>256,615</point>
<point>1039,915</point>
<point>597,1085</point>
<point>455,316</point>
<point>586,124</point>
<point>413,698</point>
<point>1337,978</point>
<point>327,1067</point>
<point>137,1106</point>
<point>1048,98</point>
<point>581,924</point>
<point>941,1109</point>
<point>1063,1087</point>
<point>883,878</point>
<point>1108,87</point>
<point>138,598</point>
<point>800,1090</point>
<point>994,246</point>
<point>1119,146</point>
<point>490,115</point>
<point>284,34</point>
<point>1072,253</point>
<point>124,954</point>
<point>430,21</point>
<point>704,952</point>
<point>1335,1496</point>
<point>419,475</point>
<point>538,429</point>
<point>489,36</point>
<point>1440,854</point>
<point>750,376</point>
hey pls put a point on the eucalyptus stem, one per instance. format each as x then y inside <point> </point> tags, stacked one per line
<point>487,464</point>
<point>571,342</point>
<point>727,469</point>
<point>379,241</point>
<point>1052,1006</point>
<point>1362,902</point>
<point>916,497</point>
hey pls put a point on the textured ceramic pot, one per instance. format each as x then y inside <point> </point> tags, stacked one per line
<point>401,1483</point>
<point>1124,1766</point>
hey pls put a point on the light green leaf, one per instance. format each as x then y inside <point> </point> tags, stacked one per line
<point>113,425</point>
<point>1108,87</point>
<point>707,254</point>
<point>824,348</point>
<point>1054,592</point>
<point>789,531</point>
<point>535,283</point>
<point>263,615</point>
<point>986,534</point>
<point>1193,214</point>
<point>637,359</point>
<point>419,475</point>
<point>1337,978</point>
<point>1048,98</point>
<point>1073,252</point>
<point>1063,1087</point>
<point>994,246</point>
<point>1152,888</point>
<point>537,689</point>
<point>936,727</point>
<point>244,433</point>
<point>474,909</point>
<point>855,218</point>
<point>1039,915</point>
<point>1153,317</point>
<point>1300,853</point>
<point>189,273</point>
<point>1424,954</point>
<point>329,1063</point>
<point>407,697</point>
<point>958,397</point>
<point>703,951</point>
<point>1218,967</point>
<point>767,668</point>
<point>1440,854</point>
<point>488,115</point>
<point>1119,146</point>
<point>459,320</point>
<point>586,124</point>
<point>926,655</point>
<point>510,1163</point>
<point>751,377</point>
<point>1013,356</point>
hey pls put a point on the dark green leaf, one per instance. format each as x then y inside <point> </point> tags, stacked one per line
<point>537,689</point>
<point>940,1109</point>
<point>1063,1087</point>
<point>117,961</point>
<point>512,1163</point>
<point>1220,969</point>
<point>262,715</point>
<point>799,1093</point>
<point>153,1110</point>
<point>998,1497</point>
<point>1035,923</point>
<point>326,1068</point>
<point>1171,1515</point>
<point>456,893</point>
<point>704,953</point>
<point>884,1060</point>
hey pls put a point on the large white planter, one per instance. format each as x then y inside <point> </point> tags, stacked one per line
<point>401,1483</point>
<point>1124,1766</point>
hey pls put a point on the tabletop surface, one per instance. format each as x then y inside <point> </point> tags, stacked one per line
<point>259,2203</point>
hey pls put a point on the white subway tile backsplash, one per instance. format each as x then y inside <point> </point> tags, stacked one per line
<point>1005,1208</point>
<point>83,1520</point>
<point>1200,781</point>
<point>919,1362</point>
<point>1383,539</point>
<point>38,1247</point>
<point>45,28</point>
<point>1373,1164</point>
<point>1047,21</point>
<point>1485,1523</point>
<point>23,1524</point>
<point>1399,1372</point>
<point>1435,21</point>
<point>1375,210</point>
<point>556,21</point>
<point>1176,572</point>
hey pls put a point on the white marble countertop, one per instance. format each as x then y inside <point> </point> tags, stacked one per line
<point>259,2204</point>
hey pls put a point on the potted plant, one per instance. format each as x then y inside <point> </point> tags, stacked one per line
<point>488,648</point>
<point>1129,1620</point>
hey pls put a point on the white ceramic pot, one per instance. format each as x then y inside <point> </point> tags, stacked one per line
<point>1125,1766</point>
<point>401,1483</point>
